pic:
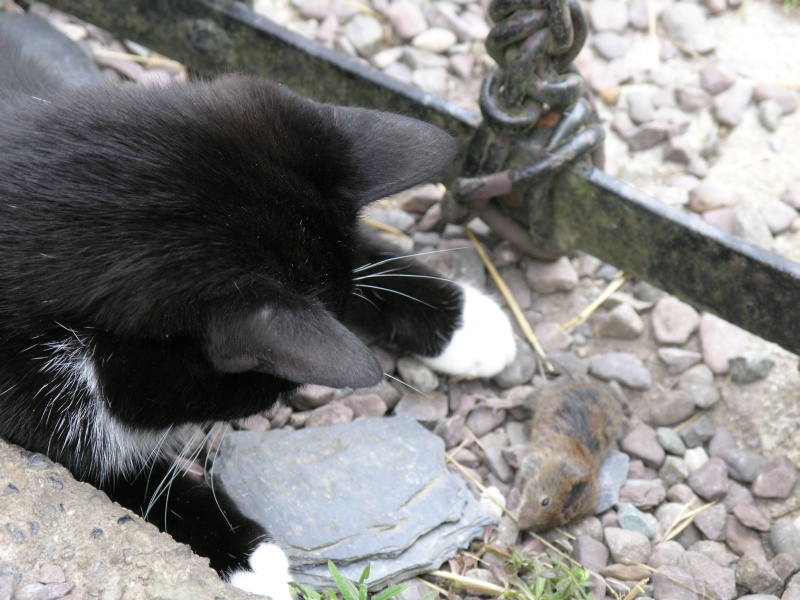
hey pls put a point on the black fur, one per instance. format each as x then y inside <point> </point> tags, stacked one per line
<point>186,254</point>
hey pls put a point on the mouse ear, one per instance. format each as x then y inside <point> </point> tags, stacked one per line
<point>302,343</point>
<point>390,153</point>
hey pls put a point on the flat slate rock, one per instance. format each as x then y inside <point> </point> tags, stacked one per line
<point>374,491</point>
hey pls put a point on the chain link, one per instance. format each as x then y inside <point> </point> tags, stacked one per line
<point>538,118</point>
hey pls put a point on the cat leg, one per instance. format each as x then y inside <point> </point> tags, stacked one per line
<point>405,305</point>
<point>193,512</point>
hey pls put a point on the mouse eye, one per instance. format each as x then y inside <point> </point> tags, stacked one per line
<point>546,502</point>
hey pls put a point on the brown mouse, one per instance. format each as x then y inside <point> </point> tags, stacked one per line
<point>571,430</point>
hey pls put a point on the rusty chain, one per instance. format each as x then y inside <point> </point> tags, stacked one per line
<point>537,119</point>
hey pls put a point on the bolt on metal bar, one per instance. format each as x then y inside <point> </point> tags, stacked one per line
<point>748,286</point>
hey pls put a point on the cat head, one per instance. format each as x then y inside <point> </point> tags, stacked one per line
<point>208,210</point>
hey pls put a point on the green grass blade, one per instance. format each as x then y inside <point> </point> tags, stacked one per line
<point>392,591</point>
<point>348,590</point>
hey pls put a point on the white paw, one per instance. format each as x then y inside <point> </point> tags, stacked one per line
<point>269,574</point>
<point>483,345</point>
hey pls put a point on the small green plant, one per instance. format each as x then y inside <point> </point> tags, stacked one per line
<point>348,590</point>
<point>547,578</point>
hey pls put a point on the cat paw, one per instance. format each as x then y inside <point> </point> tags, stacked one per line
<point>482,345</point>
<point>269,574</point>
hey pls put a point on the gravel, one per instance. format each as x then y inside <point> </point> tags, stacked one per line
<point>691,108</point>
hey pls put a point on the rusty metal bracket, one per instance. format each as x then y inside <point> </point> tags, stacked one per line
<point>741,283</point>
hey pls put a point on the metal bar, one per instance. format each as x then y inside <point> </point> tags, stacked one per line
<point>678,252</point>
<point>741,283</point>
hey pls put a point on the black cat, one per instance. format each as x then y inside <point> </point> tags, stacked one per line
<point>193,253</point>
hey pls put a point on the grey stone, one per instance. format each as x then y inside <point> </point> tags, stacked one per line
<point>587,526</point>
<point>643,493</point>
<point>330,414</point>
<point>627,546</point>
<point>417,375</point>
<point>751,225</point>
<point>678,360</point>
<point>646,136</point>
<point>695,458</point>
<point>493,444</point>
<point>721,441</point>
<point>51,573</point>
<point>484,419</point>
<point>687,26</point>
<point>787,98</point>
<point>592,555</point>
<point>641,443</point>
<point>743,465</point>
<point>716,551</point>
<point>754,573</point>
<point>671,441</point>
<point>622,367</point>
<point>718,78</point>
<point>552,337</point>
<point>717,581</point>
<point>737,494</point>
<point>426,517</point>
<point>672,407</point>
<point>697,432</point>
<point>711,480</point>
<point>399,219</point>
<point>692,98</point>
<point>551,277</point>
<point>712,522</point>
<point>709,195</point>
<point>699,383</point>
<point>520,371</point>
<point>720,342</point>
<point>775,479</point>
<point>365,33</point>
<point>608,15</point>
<point>435,39</point>
<point>313,396</point>
<point>633,519</point>
<point>730,105</point>
<point>613,471</point>
<point>366,405</point>
<point>39,591</point>
<point>433,80</point>
<point>785,537</point>
<point>609,44</point>
<point>667,553</point>
<point>784,565</point>
<point>640,107</point>
<point>750,367</point>
<point>739,538</point>
<point>407,19</point>
<point>668,515</point>
<point>451,429</point>
<point>622,322</point>
<point>427,409</point>
<point>721,218</point>
<point>674,470</point>
<point>751,516</point>
<point>778,215</point>
<point>674,583</point>
<point>769,114</point>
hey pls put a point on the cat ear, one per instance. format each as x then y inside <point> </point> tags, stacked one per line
<point>390,153</point>
<point>304,344</point>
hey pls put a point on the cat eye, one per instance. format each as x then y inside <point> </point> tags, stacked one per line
<point>546,502</point>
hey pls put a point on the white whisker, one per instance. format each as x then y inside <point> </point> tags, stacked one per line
<point>398,380</point>
<point>379,263</point>
<point>401,275</point>
<point>376,287</point>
